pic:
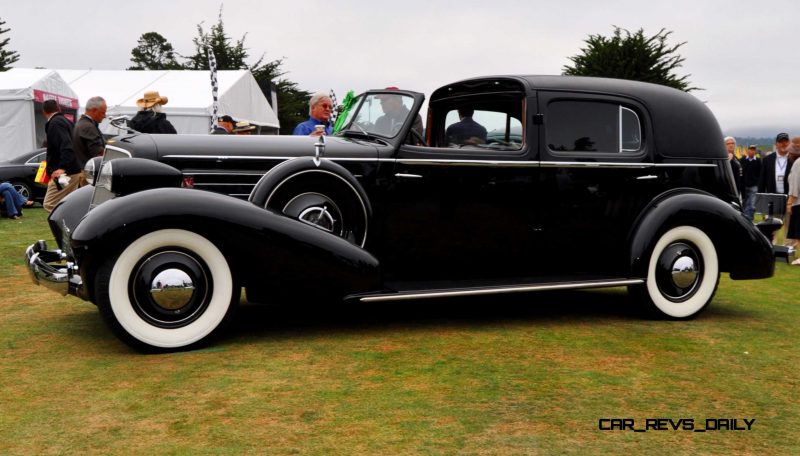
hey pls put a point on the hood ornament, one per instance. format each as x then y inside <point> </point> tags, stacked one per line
<point>319,150</point>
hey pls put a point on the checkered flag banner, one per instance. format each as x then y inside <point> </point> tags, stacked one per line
<point>334,111</point>
<point>212,65</point>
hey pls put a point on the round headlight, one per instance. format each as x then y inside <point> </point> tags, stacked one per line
<point>88,171</point>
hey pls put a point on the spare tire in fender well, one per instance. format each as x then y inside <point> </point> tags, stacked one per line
<point>291,172</point>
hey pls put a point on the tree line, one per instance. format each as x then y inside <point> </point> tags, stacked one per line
<point>154,52</point>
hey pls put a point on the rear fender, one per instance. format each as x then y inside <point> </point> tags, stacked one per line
<point>742,250</point>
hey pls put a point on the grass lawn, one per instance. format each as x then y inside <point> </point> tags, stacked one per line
<point>527,374</point>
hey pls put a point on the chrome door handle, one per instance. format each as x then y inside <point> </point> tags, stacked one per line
<point>409,176</point>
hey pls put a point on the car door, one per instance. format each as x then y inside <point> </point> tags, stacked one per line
<point>463,215</point>
<point>597,174</point>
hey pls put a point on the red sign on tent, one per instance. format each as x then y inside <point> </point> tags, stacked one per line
<point>40,96</point>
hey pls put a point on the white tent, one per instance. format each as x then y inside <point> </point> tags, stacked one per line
<point>189,92</point>
<point>22,91</point>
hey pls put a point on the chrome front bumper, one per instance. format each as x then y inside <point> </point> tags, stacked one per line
<point>51,269</point>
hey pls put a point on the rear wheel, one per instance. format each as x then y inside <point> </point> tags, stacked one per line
<point>23,189</point>
<point>167,290</point>
<point>682,274</point>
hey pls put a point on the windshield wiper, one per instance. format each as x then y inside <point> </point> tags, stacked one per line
<point>357,133</point>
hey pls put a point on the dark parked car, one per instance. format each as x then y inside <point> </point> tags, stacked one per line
<point>583,183</point>
<point>21,171</point>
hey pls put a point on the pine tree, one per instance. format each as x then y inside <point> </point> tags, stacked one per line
<point>154,52</point>
<point>7,57</point>
<point>632,56</point>
<point>292,101</point>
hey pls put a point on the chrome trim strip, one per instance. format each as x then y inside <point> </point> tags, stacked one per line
<point>226,157</point>
<point>638,123</point>
<point>548,164</point>
<point>118,149</point>
<point>272,158</point>
<point>189,173</point>
<point>206,184</point>
<point>499,290</point>
<point>463,162</point>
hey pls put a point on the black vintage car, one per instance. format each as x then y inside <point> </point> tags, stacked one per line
<point>564,183</point>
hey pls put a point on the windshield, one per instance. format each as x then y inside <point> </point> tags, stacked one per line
<point>381,114</point>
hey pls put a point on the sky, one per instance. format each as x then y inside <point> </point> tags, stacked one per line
<point>742,53</point>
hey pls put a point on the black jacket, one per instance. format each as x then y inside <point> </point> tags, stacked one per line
<point>737,173</point>
<point>766,183</point>
<point>751,171</point>
<point>87,139</point>
<point>60,154</point>
<point>152,122</point>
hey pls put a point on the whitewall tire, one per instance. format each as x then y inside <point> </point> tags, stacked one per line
<point>682,274</point>
<point>168,289</point>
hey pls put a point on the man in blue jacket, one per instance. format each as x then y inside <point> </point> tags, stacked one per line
<point>320,108</point>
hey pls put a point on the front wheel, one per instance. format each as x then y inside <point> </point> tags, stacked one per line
<point>167,290</point>
<point>682,274</point>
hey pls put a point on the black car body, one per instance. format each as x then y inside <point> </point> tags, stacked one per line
<point>580,183</point>
<point>21,172</point>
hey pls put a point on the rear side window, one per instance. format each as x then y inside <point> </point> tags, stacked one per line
<point>591,126</point>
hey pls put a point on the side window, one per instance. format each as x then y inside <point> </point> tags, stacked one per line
<point>592,126</point>
<point>482,128</point>
<point>36,159</point>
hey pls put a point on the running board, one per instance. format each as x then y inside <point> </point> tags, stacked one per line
<point>498,290</point>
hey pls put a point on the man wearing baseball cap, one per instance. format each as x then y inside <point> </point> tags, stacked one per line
<point>224,126</point>
<point>751,172</point>
<point>775,169</point>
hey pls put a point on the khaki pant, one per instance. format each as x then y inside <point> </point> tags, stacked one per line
<point>54,195</point>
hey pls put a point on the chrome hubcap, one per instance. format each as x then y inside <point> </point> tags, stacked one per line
<point>319,217</point>
<point>684,272</point>
<point>679,271</point>
<point>316,210</point>
<point>170,289</point>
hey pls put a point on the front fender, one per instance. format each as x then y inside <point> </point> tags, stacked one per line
<point>263,248</point>
<point>742,250</point>
<point>289,168</point>
<point>69,211</point>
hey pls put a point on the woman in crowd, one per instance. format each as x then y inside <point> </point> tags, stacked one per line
<point>793,200</point>
<point>13,201</point>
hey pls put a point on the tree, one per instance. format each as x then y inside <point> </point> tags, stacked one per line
<point>292,101</point>
<point>229,56</point>
<point>632,56</point>
<point>292,105</point>
<point>154,52</point>
<point>7,58</point>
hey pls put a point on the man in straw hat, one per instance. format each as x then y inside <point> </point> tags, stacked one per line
<point>150,119</point>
